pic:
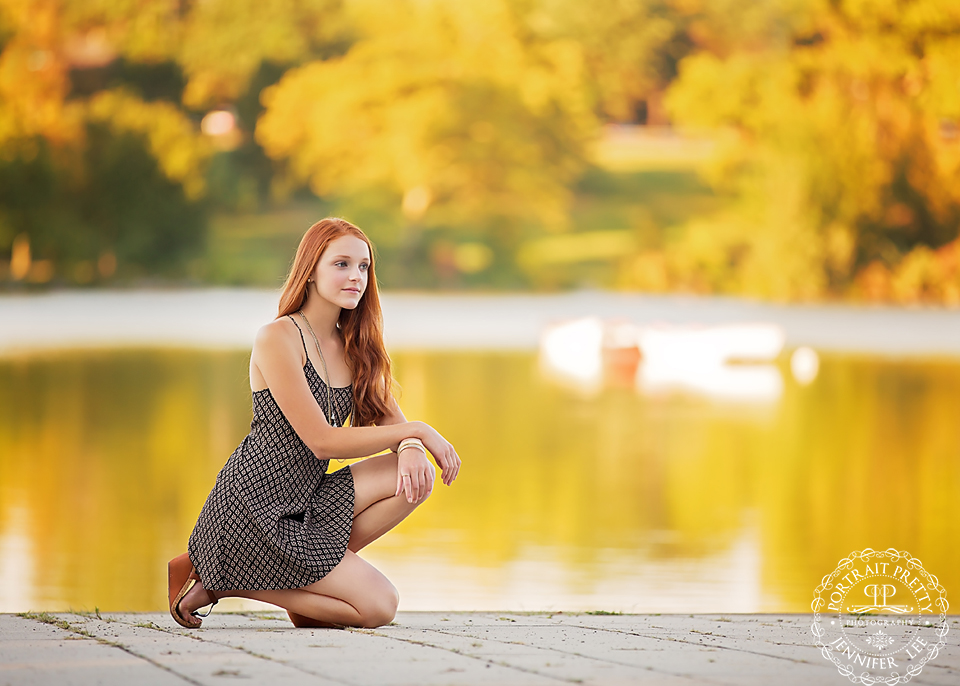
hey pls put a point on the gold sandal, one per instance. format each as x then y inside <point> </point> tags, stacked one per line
<point>182,575</point>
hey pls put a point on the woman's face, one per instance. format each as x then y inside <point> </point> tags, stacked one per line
<point>341,272</point>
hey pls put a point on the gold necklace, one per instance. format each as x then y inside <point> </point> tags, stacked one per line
<point>334,420</point>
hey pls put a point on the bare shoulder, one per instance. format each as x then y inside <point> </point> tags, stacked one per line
<point>279,337</point>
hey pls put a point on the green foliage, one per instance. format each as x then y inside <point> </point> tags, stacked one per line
<point>148,81</point>
<point>244,179</point>
<point>117,208</point>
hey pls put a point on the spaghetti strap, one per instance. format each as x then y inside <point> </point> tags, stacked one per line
<point>301,335</point>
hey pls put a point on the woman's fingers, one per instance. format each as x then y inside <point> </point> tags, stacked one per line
<point>427,476</point>
<point>414,481</point>
<point>450,464</point>
<point>419,482</point>
<point>432,478</point>
<point>444,469</point>
<point>417,477</point>
<point>454,464</point>
<point>408,487</point>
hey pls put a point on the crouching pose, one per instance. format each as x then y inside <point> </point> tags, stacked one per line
<point>277,526</point>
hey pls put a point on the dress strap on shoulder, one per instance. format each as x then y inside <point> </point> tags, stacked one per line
<point>301,335</point>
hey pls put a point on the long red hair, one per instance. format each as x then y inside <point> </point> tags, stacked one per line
<point>361,327</point>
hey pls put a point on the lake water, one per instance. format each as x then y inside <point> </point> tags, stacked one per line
<point>605,499</point>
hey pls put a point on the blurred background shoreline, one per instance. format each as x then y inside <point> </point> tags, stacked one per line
<point>229,318</point>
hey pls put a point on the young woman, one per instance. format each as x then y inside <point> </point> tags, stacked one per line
<point>277,526</point>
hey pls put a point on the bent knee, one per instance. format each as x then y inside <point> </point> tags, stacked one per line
<point>383,610</point>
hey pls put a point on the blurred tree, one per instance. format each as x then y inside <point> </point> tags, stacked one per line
<point>100,182</point>
<point>230,51</point>
<point>450,106</point>
<point>118,74</point>
<point>630,48</point>
<point>119,209</point>
<point>840,149</point>
<point>461,127</point>
<point>224,42</point>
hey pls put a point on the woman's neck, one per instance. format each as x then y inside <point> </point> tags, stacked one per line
<point>323,315</point>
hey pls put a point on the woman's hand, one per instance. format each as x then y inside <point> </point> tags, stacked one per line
<point>415,474</point>
<point>442,451</point>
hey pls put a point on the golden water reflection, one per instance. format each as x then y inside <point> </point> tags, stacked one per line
<point>612,501</point>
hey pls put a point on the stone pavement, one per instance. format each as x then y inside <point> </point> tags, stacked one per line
<point>425,648</point>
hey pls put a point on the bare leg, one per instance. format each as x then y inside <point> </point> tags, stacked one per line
<point>354,593</point>
<point>376,509</point>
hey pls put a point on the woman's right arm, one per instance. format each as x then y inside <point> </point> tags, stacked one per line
<point>276,355</point>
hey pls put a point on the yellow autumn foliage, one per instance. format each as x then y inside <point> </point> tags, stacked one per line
<point>443,97</point>
<point>842,152</point>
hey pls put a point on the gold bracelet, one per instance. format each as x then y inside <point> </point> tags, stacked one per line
<point>411,443</point>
